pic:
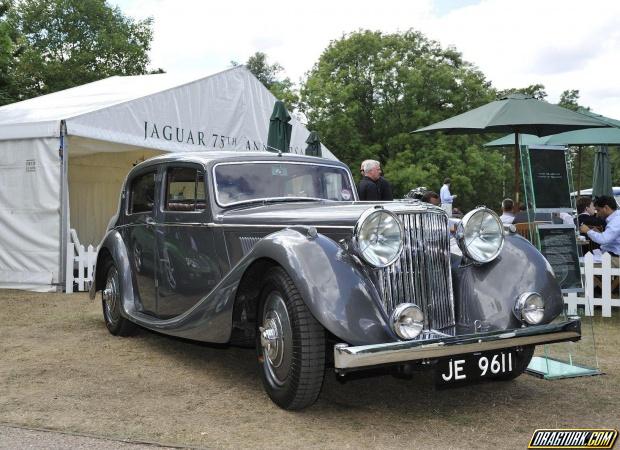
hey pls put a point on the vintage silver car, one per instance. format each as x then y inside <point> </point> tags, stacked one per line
<point>276,251</point>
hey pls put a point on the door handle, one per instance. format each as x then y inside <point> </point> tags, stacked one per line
<point>150,221</point>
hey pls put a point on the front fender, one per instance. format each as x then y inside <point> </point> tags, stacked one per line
<point>488,293</point>
<point>333,285</point>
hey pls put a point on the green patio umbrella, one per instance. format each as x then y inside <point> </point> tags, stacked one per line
<point>516,113</point>
<point>509,140</point>
<point>588,136</point>
<point>578,138</point>
<point>314,144</point>
<point>601,180</point>
<point>279,136</point>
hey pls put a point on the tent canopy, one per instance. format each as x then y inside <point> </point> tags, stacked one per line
<point>226,111</point>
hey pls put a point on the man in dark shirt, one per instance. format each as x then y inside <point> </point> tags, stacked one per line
<point>373,187</point>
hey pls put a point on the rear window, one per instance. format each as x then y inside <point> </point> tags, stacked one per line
<point>142,194</point>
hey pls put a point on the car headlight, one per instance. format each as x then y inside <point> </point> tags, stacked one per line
<point>378,237</point>
<point>530,308</point>
<point>480,235</point>
<point>407,321</point>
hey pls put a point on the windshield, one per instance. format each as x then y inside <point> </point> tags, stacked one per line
<point>256,181</point>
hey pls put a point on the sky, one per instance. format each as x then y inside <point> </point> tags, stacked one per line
<point>564,45</point>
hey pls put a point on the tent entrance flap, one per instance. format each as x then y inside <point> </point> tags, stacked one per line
<point>29,213</point>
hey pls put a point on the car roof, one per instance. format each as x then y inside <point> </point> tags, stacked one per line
<point>207,157</point>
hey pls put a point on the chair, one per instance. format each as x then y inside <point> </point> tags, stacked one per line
<point>523,228</point>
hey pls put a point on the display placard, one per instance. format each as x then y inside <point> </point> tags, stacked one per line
<point>559,246</point>
<point>550,179</point>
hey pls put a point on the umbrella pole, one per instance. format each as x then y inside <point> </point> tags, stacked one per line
<point>517,164</point>
<point>578,170</point>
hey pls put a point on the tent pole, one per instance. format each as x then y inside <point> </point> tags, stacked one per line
<point>64,206</point>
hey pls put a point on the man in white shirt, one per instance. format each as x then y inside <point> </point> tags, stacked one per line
<point>609,240</point>
<point>508,215</point>
<point>446,198</point>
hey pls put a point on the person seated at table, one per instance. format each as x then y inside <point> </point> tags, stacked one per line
<point>508,215</point>
<point>586,214</point>
<point>522,216</point>
<point>431,197</point>
<point>609,240</point>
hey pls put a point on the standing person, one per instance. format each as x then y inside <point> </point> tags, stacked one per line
<point>609,240</point>
<point>385,189</point>
<point>508,215</point>
<point>446,197</point>
<point>368,189</point>
<point>373,187</point>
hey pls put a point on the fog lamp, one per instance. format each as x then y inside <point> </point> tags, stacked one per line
<point>530,308</point>
<point>407,321</point>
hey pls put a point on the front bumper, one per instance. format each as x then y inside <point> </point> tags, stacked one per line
<point>350,358</point>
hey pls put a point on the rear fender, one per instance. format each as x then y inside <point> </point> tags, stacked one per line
<point>112,246</point>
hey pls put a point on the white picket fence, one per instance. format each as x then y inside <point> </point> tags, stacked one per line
<point>597,272</point>
<point>82,259</point>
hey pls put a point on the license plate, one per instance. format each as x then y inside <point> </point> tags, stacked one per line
<point>463,369</point>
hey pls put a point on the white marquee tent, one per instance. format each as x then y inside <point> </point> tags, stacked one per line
<point>63,156</point>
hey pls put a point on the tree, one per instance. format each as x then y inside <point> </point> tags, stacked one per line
<point>369,90</point>
<point>535,90</point>
<point>569,99</point>
<point>7,49</point>
<point>65,43</point>
<point>283,89</point>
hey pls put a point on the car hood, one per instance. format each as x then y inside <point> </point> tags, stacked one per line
<point>319,214</point>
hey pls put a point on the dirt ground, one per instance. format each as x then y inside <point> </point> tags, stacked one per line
<point>60,369</point>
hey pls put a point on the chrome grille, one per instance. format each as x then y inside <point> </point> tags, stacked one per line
<point>422,274</point>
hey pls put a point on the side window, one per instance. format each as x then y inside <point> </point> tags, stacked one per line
<point>142,194</point>
<point>185,189</point>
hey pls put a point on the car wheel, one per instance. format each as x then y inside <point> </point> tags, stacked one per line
<point>111,303</point>
<point>290,344</point>
<point>523,360</point>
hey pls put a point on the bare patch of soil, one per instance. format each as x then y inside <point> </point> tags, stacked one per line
<point>61,369</point>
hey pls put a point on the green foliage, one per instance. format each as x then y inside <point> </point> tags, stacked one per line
<point>587,165</point>
<point>569,99</point>
<point>283,89</point>
<point>535,90</point>
<point>65,43</point>
<point>7,49</point>
<point>369,90</point>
